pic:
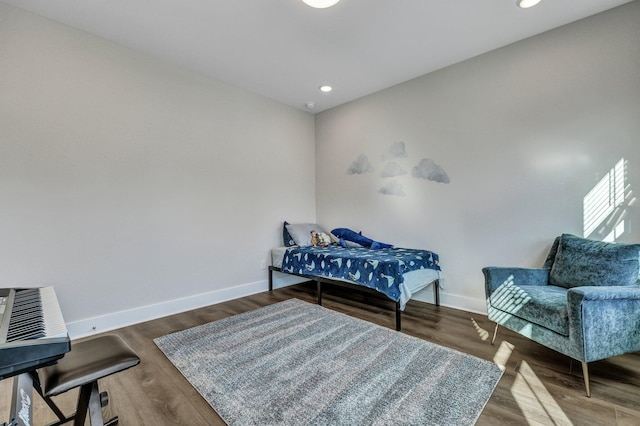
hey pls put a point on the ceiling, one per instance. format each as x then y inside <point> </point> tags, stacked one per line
<point>284,49</point>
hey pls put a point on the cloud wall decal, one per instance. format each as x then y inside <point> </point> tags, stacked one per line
<point>392,188</point>
<point>392,169</point>
<point>397,150</point>
<point>427,169</point>
<point>360,166</point>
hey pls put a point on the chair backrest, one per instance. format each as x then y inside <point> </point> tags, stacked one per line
<point>548,263</point>
<point>576,262</point>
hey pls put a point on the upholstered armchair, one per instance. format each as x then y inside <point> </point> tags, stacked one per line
<point>584,302</point>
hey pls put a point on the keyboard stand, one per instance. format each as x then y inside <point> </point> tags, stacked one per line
<point>21,413</point>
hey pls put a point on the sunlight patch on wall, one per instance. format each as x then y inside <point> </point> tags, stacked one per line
<point>604,207</point>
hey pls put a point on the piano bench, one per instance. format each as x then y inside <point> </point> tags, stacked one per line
<point>88,361</point>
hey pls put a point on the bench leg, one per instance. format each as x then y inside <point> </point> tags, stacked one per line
<point>89,399</point>
<point>62,418</point>
<point>398,317</point>
<point>270,278</point>
<point>319,291</point>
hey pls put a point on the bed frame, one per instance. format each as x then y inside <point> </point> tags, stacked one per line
<point>322,280</point>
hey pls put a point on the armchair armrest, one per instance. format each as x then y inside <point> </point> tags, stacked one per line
<point>495,276</point>
<point>591,293</point>
<point>606,319</point>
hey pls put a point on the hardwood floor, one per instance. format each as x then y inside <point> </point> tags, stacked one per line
<point>538,387</point>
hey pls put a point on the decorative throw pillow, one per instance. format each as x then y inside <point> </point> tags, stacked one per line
<point>286,237</point>
<point>583,262</point>
<point>301,232</point>
<point>346,234</point>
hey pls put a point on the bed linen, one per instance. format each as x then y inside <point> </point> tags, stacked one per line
<point>396,272</point>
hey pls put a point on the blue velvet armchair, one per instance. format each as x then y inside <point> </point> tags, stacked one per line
<point>584,302</point>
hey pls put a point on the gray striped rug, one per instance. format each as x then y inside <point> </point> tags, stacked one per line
<point>296,363</point>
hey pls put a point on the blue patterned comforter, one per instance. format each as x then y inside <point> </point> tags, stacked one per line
<point>381,269</point>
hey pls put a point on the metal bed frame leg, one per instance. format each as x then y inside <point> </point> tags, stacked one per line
<point>436,293</point>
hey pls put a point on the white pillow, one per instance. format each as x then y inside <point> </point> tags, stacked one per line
<point>301,232</point>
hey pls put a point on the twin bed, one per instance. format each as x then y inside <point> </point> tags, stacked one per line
<point>397,273</point>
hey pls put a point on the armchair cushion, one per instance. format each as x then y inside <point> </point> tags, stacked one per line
<point>545,306</point>
<point>583,262</point>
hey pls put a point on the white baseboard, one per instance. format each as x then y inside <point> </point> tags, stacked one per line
<point>478,306</point>
<point>100,324</point>
<point>282,280</point>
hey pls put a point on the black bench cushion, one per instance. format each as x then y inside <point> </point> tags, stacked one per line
<point>88,361</point>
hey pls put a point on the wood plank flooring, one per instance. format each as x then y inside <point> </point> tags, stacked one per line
<point>539,387</point>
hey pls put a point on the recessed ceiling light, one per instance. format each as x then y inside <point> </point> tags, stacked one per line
<point>325,88</point>
<point>527,3</point>
<point>320,4</point>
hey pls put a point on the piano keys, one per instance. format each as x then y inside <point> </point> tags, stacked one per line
<point>32,335</point>
<point>32,330</point>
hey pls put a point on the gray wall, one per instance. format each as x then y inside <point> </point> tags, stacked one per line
<point>138,188</point>
<point>523,133</point>
<point>135,187</point>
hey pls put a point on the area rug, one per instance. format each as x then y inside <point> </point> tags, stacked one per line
<point>296,363</point>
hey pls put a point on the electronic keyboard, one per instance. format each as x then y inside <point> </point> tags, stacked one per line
<point>32,330</point>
